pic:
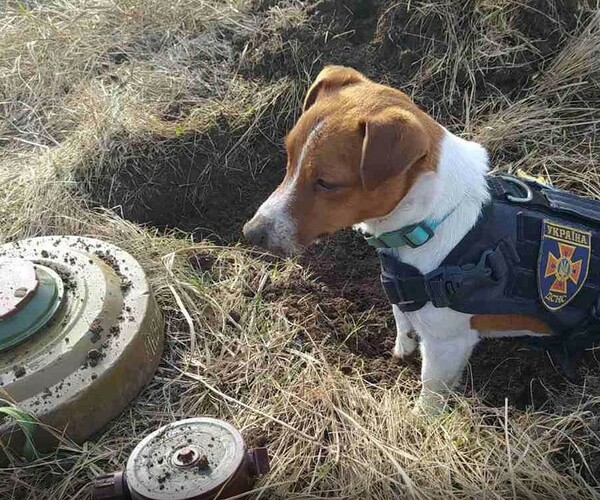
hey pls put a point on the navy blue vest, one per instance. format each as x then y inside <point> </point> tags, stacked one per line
<point>539,257</point>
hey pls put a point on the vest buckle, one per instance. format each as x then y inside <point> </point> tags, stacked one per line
<point>446,284</point>
<point>527,193</point>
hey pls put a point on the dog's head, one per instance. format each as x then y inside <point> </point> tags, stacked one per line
<point>352,156</point>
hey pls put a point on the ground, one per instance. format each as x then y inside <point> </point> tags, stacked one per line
<point>159,126</point>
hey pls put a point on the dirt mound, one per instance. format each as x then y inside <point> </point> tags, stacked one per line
<point>436,51</point>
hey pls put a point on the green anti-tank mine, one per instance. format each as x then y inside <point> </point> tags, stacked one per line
<point>80,333</point>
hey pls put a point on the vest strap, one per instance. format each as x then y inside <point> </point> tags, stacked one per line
<point>444,285</point>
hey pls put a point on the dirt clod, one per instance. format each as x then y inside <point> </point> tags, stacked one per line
<point>94,356</point>
<point>203,462</point>
<point>113,262</point>
<point>95,331</point>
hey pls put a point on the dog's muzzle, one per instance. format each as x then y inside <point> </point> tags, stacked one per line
<point>257,231</point>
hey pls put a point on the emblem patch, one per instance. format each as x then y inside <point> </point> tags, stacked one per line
<point>563,263</point>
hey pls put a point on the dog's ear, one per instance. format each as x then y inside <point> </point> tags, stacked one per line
<point>331,78</point>
<point>393,141</point>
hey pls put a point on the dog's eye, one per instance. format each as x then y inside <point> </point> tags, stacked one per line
<point>325,185</point>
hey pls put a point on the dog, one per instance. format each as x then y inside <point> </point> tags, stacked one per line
<point>364,155</point>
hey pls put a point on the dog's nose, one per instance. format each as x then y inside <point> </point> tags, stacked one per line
<point>256,231</point>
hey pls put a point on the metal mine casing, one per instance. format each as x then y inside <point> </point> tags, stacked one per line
<point>194,459</point>
<point>92,342</point>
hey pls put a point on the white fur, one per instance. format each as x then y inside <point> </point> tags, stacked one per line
<point>275,209</point>
<point>457,187</point>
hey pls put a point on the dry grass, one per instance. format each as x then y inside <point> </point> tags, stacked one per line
<point>81,84</point>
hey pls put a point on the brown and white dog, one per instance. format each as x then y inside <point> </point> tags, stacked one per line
<point>364,155</point>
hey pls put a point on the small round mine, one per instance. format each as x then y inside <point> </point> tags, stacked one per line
<point>189,459</point>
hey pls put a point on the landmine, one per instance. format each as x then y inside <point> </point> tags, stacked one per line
<point>80,335</point>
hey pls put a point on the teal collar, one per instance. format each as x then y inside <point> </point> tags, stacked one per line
<point>412,236</point>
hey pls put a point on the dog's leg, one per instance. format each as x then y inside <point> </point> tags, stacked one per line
<point>443,362</point>
<point>406,342</point>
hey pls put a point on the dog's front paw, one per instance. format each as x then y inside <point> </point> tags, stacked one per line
<point>406,344</point>
<point>429,405</point>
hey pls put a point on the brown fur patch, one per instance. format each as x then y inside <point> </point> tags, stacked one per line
<point>348,105</point>
<point>508,322</point>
